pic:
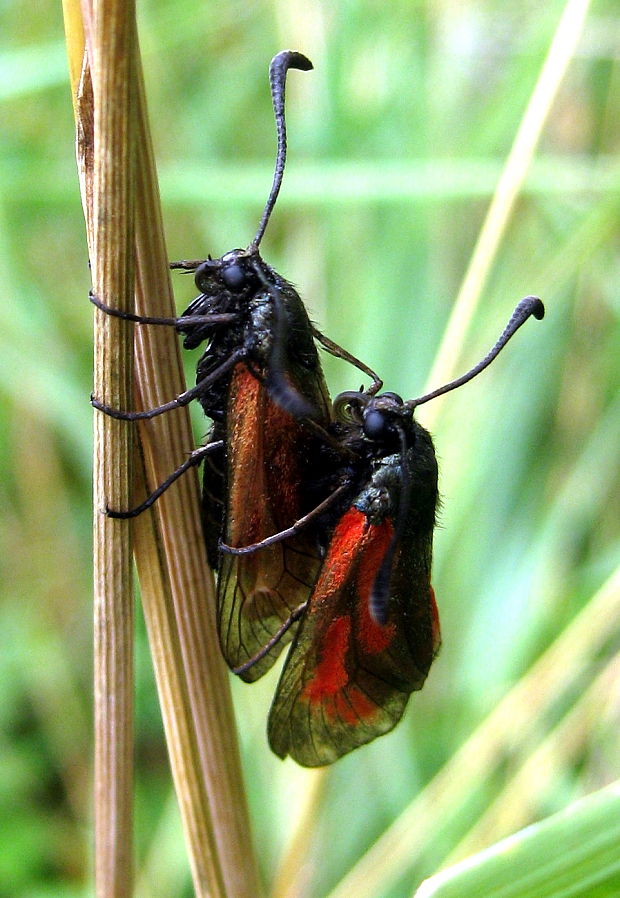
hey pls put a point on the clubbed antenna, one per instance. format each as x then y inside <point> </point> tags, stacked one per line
<point>380,592</point>
<point>280,64</point>
<point>529,306</point>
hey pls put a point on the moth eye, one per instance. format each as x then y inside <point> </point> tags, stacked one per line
<point>375,424</point>
<point>234,277</point>
<point>398,400</point>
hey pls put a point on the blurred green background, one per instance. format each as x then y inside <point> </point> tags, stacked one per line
<point>396,141</point>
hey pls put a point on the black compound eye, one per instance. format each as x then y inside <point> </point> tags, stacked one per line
<point>376,425</point>
<point>394,396</point>
<point>235,277</point>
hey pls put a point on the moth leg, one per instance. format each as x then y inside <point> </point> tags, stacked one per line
<point>293,529</point>
<point>224,318</point>
<point>193,460</point>
<point>179,401</point>
<point>340,353</point>
<point>288,623</point>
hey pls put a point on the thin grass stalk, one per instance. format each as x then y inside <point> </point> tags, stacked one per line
<point>163,871</point>
<point>509,185</point>
<point>206,704</point>
<point>75,43</point>
<point>508,725</point>
<point>167,658</point>
<point>112,260</point>
<point>199,723</point>
<point>294,873</point>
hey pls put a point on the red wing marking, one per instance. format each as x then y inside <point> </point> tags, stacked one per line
<point>352,537</point>
<point>330,674</point>
<point>347,679</point>
<point>351,708</point>
<point>343,547</point>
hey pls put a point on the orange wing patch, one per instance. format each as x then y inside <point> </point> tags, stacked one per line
<point>258,592</point>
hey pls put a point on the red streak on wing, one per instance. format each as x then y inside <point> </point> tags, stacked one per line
<point>355,554</point>
<point>330,687</point>
<point>344,546</point>
<point>330,675</point>
<point>352,707</point>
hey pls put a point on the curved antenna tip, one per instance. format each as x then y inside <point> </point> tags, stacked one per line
<point>537,306</point>
<point>530,306</point>
<point>291,59</point>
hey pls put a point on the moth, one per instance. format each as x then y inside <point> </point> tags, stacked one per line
<point>260,381</point>
<point>369,631</point>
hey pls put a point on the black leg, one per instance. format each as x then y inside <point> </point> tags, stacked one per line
<point>290,531</point>
<point>340,353</point>
<point>288,623</point>
<point>194,459</point>
<point>224,318</point>
<point>179,401</point>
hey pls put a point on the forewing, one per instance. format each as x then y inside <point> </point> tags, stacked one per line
<point>347,679</point>
<point>258,592</point>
